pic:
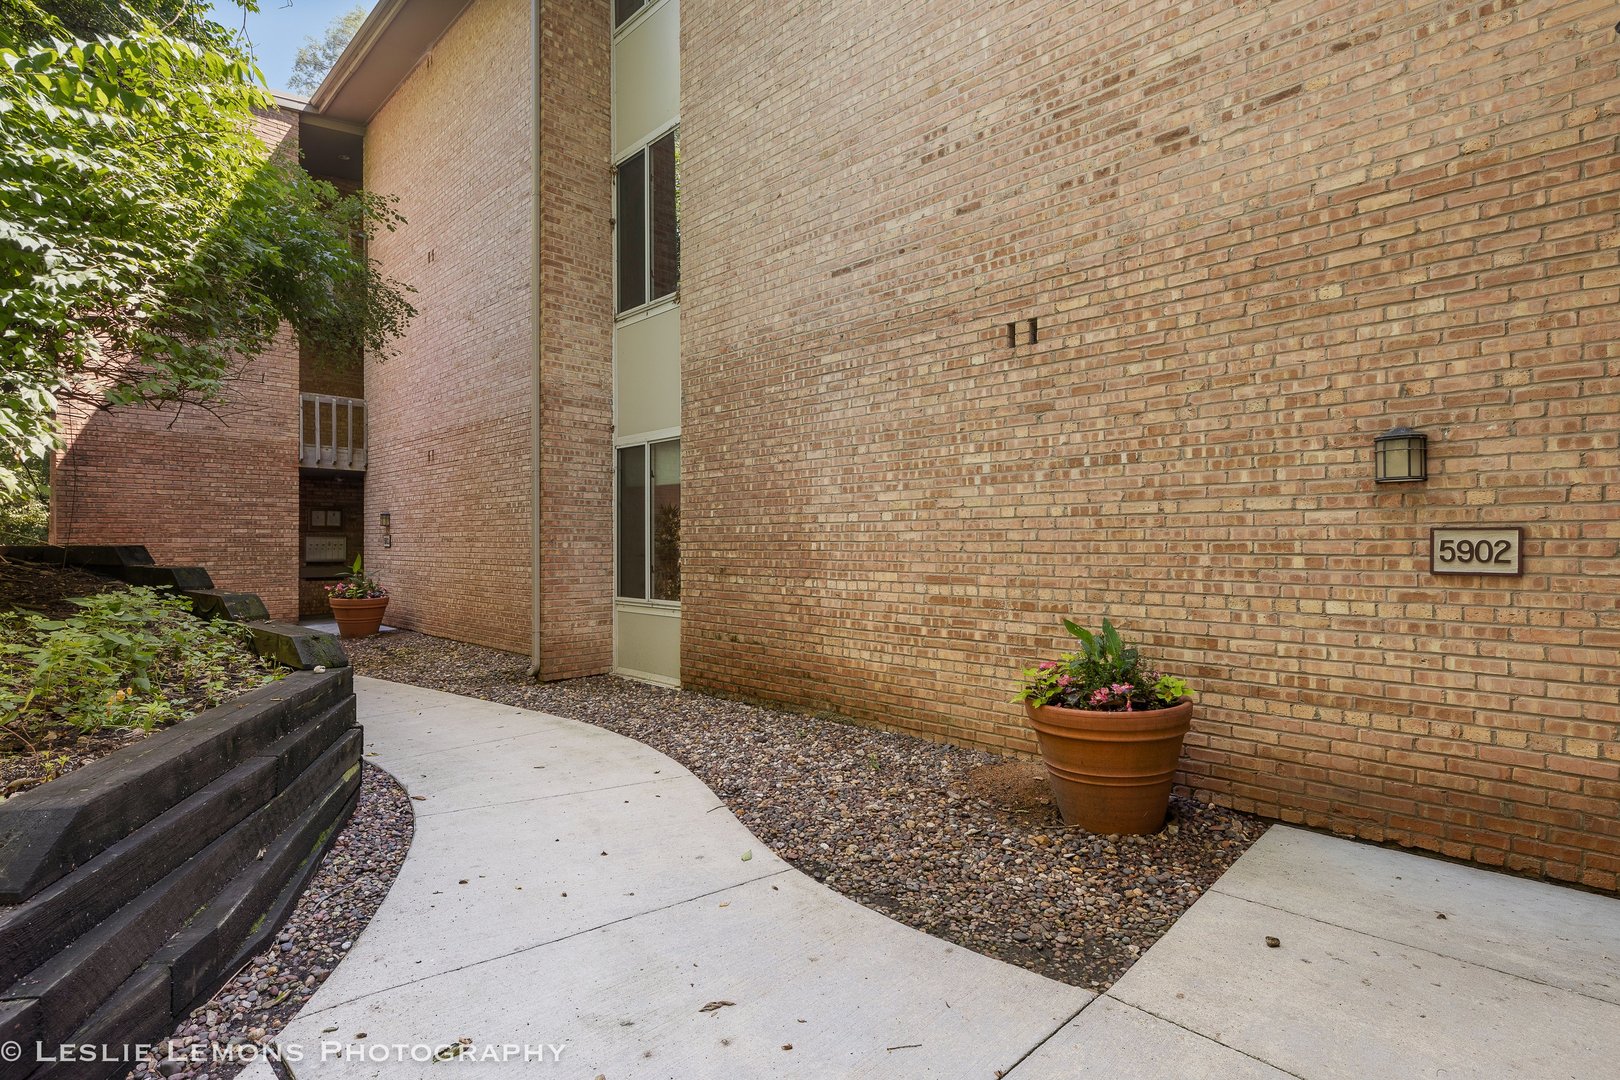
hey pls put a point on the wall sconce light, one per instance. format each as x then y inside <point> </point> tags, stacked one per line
<point>1401,455</point>
<point>385,519</point>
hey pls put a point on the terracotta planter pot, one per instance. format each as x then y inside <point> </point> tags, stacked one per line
<point>359,618</point>
<point>1111,771</point>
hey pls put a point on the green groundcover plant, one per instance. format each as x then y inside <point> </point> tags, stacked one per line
<point>1106,673</point>
<point>128,658</point>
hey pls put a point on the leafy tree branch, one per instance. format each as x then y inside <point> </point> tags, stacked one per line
<point>149,242</point>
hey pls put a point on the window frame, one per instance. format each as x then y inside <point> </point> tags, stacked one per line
<point>622,28</point>
<point>644,147</point>
<point>647,441</point>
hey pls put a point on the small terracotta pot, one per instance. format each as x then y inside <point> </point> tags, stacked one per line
<point>358,618</point>
<point>1111,771</point>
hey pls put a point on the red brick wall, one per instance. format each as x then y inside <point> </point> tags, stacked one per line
<point>576,377</point>
<point>1255,236</point>
<point>217,490</point>
<point>449,413</point>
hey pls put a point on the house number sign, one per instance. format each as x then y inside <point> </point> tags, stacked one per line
<point>1475,551</point>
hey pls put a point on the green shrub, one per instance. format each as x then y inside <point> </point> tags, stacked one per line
<point>129,658</point>
<point>24,520</point>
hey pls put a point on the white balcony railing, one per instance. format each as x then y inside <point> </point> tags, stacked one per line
<point>332,432</point>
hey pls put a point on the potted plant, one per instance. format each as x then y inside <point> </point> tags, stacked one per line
<point>358,603</point>
<point>1110,729</point>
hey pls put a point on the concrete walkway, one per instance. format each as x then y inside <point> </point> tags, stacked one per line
<point>571,888</point>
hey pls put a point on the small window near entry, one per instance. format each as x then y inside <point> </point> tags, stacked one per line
<point>623,9</point>
<point>647,241</point>
<point>649,540</point>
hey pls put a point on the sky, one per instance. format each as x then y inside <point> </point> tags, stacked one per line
<point>280,27</point>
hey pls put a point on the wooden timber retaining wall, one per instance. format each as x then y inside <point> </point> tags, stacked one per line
<point>140,882</point>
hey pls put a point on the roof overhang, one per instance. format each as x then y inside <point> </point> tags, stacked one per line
<point>386,48</point>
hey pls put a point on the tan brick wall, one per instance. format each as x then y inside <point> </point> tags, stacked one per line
<point>1255,236</point>
<point>576,380</point>
<point>216,489</point>
<point>449,414</point>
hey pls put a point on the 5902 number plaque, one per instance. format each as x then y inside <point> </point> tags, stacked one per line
<point>1475,551</point>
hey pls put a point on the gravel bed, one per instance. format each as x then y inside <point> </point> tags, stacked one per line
<point>958,843</point>
<point>218,1038</point>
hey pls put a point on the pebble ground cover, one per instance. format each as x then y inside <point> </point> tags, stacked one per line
<point>958,843</point>
<point>218,1038</point>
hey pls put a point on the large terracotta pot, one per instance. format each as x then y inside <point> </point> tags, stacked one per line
<point>359,618</point>
<point>1111,771</point>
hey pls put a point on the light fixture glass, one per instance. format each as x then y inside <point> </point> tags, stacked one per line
<point>1401,455</point>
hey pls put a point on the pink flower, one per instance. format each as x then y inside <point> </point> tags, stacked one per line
<point>1064,680</point>
<point>1048,665</point>
<point>1099,696</point>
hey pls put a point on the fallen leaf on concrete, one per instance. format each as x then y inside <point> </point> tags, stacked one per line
<point>1439,914</point>
<point>418,798</point>
<point>1272,943</point>
<point>747,855</point>
<point>714,1005</point>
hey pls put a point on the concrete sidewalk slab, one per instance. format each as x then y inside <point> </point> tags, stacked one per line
<point>1111,1040</point>
<point>671,918</point>
<point>1366,982</point>
<point>817,985</point>
<point>1332,1002</point>
<point>1553,935</point>
<point>542,765</point>
<point>541,870</point>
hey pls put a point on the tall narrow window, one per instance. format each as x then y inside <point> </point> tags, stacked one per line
<point>633,522</point>
<point>665,205</point>
<point>649,539</point>
<point>648,223</point>
<point>666,521</point>
<point>632,231</point>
